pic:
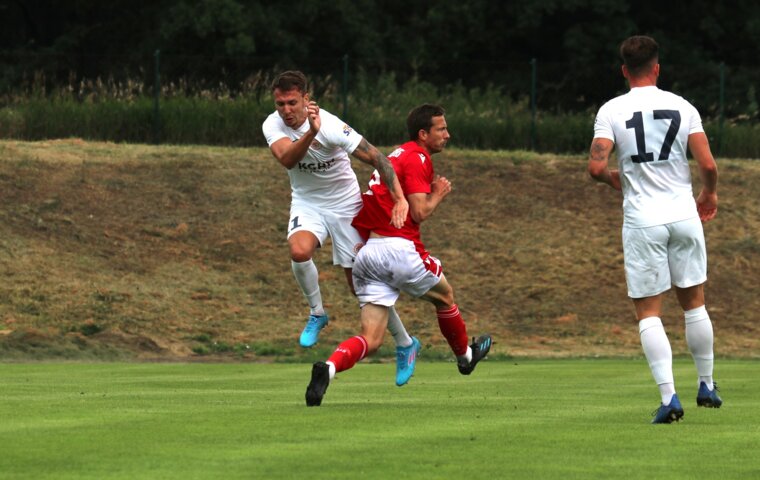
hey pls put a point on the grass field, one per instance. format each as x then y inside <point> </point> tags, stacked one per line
<point>529,418</point>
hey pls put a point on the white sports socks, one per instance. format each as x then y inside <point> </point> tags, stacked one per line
<point>400,335</point>
<point>699,337</point>
<point>659,355</point>
<point>466,358</point>
<point>307,278</point>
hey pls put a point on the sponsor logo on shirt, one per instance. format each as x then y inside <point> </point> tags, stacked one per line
<point>422,157</point>
<point>316,167</point>
<point>396,153</point>
<point>347,130</point>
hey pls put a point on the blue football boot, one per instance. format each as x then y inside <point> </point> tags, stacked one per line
<point>670,413</point>
<point>310,333</point>
<point>708,398</point>
<point>406,360</point>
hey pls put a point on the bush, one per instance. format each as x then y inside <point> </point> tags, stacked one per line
<point>480,118</point>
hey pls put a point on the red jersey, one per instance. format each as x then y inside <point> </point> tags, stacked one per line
<point>414,170</point>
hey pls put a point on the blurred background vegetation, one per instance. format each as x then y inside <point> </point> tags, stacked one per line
<point>512,75</point>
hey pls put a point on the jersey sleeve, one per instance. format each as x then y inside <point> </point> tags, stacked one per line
<point>339,133</point>
<point>603,124</point>
<point>272,129</point>
<point>695,121</point>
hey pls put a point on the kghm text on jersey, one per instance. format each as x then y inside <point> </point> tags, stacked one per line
<point>316,167</point>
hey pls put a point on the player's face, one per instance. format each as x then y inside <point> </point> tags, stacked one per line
<point>436,139</point>
<point>291,105</point>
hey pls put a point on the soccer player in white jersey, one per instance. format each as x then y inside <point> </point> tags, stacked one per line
<point>663,239</point>
<point>314,146</point>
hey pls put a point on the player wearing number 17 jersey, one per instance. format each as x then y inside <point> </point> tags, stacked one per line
<point>663,238</point>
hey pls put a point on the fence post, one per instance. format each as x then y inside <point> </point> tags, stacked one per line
<point>345,88</point>
<point>533,104</point>
<point>156,95</point>
<point>720,111</point>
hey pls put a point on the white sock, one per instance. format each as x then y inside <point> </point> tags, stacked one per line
<point>699,337</point>
<point>307,278</point>
<point>331,367</point>
<point>659,355</point>
<point>400,335</point>
<point>466,358</point>
<point>666,392</point>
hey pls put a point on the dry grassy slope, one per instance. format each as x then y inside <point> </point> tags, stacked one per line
<point>152,252</point>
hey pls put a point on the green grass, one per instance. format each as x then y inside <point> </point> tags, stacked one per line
<point>511,419</point>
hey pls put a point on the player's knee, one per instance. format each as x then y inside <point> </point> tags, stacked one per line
<point>300,255</point>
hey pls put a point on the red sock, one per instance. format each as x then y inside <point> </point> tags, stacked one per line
<point>452,327</point>
<point>348,353</point>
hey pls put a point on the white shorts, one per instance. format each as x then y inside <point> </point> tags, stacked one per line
<point>658,256</point>
<point>346,240</point>
<point>385,267</point>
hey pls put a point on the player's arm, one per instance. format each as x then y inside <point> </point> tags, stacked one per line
<point>707,201</point>
<point>422,205</point>
<point>289,153</point>
<point>598,168</point>
<point>367,153</point>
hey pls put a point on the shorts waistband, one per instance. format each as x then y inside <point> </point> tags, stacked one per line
<point>389,241</point>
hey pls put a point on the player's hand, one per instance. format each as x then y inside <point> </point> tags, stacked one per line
<point>399,213</point>
<point>615,179</point>
<point>440,186</point>
<point>312,113</point>
<point>707,206</point>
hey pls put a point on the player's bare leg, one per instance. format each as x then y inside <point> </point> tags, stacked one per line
<point>374,320</point>
<point>400,335</point>
<point>407,347</point>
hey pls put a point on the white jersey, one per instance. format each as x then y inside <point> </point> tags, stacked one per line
<point>324,177</point>
<point>650,128</point>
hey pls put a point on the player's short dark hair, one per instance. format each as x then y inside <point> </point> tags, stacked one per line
<point>639,53</point>
<point>421,118</point>
<point>289,80</point>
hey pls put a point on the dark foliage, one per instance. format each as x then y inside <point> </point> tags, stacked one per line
<point>477,43</point>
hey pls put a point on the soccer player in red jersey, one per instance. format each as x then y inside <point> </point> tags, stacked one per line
<point>395,259</point>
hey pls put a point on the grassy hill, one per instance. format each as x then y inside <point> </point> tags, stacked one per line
<point>164,252</point>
